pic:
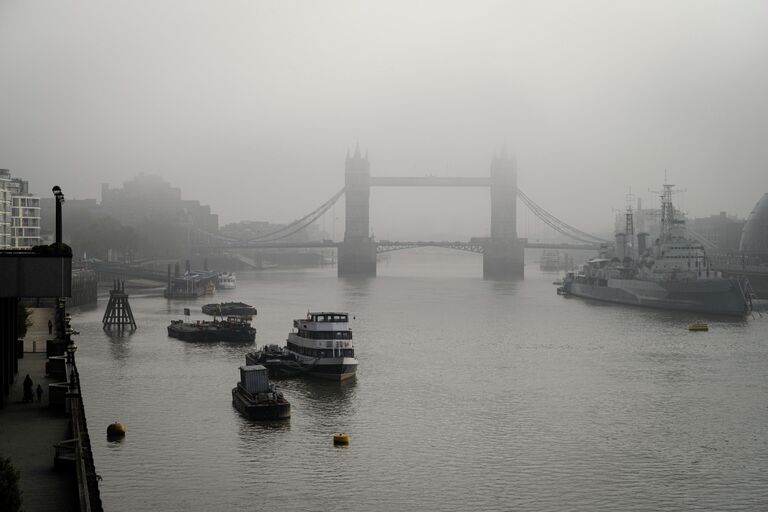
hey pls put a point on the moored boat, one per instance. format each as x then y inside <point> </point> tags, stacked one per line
<point>322,345</point>
<point>278,361</point>
<point>227,281</point>
<point>231,329</point>
<point>674,273</point>
<point>258,399</point>
<point>230,309</point>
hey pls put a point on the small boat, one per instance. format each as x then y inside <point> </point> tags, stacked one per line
<point>278,362</point>
<point>230,309</point>
<point>231,329</point>
<point>258,399</point>
<point>698,326</point>
<point>227,281</point>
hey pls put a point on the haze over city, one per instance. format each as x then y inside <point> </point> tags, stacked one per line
<point>251,106</point>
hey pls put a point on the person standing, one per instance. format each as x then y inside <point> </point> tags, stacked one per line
<point>28,389</point>
<point>39,393</point>
<point>50,326</point>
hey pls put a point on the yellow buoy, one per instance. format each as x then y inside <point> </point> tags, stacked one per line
<point>698,326</point>
<point>116,430</point>
<point>340,438</point>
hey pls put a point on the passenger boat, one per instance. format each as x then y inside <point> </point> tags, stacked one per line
<point>322,345</point>
<point>227,281</point>
<point>258,399</point>
<point>232,329</point>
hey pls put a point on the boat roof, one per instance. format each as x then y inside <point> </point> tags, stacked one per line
<point>327,313</point>
<point>252,368</point>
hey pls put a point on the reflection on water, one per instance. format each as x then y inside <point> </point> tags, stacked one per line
<point>470,395</point>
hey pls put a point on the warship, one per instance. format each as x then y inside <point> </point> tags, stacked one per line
<point>674,273</point>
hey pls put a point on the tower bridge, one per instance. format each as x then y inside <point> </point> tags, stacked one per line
<point>503,251</point>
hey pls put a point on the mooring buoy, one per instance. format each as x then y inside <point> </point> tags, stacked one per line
<point>116,430</point>
<point>340,438</point>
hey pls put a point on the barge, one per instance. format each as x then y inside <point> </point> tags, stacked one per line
<point>231,329</point>
<point>258,399</point>
<point>230,309</point>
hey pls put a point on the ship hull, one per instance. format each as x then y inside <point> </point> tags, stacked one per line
<point>328,368</point>
<point>722,297</point>
<point>192,332</point>
<point>256,410</point>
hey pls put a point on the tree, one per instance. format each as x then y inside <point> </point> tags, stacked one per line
<point>162,236</point>
<point>22,320</point>
<point>10,494</point>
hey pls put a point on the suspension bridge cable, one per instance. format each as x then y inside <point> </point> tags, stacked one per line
<point>321,209</point>
<point>557,224</point>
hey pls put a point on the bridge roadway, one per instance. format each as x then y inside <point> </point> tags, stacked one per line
<point>474,245</point>
<point>428,181</point>
<point>394,245</point>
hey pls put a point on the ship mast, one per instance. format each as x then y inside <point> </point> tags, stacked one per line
<point>629,229</point>
<point>668,220</point>
<point>667,212</point>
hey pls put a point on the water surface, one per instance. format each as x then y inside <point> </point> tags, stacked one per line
<point>470,395</point>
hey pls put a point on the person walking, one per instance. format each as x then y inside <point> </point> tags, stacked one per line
<point>39,393</point>
<point>28,397</point>
<point>50,326</point>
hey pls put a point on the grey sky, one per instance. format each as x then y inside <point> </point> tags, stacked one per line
<point>250,106</point>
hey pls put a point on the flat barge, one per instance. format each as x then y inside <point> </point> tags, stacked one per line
<point>231,329</point>
<point>230,309</point>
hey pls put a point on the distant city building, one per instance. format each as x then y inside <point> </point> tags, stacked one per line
<point>723,230</point>
<point>19,213</point>
<point>754,237</point>
<point>74,208</point>
<point>147,196</point>
<point>5,211</point>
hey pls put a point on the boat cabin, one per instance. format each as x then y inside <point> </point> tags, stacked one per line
<point>328,317</point>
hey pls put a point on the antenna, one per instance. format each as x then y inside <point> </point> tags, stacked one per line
<point>667,209</point>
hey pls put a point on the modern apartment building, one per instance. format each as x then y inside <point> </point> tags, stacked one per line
<point>19,213</point>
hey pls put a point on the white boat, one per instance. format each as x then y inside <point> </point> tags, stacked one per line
<point>322,344</point>
<point>227,281</point>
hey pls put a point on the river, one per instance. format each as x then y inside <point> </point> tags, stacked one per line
<point>470,395</point>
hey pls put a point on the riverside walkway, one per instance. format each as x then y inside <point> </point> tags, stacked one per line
<point>28,433</point>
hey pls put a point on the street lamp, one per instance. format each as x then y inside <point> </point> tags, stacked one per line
<point>59,195</point>
<point>71,349</point>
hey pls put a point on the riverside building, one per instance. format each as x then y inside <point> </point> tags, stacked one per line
<point>19,213</point>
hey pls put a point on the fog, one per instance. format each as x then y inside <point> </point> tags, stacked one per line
<point>251,106</point>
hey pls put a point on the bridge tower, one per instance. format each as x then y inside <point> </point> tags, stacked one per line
<point>503,256</point>
<point>357,254</point>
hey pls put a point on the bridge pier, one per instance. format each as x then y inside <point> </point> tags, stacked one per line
<point>503,259</point>
<point>357,258</point>
<point>357,254</point>
<point>504,253</point>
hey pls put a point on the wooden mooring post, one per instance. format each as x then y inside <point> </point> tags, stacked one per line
<point>118,313</point>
